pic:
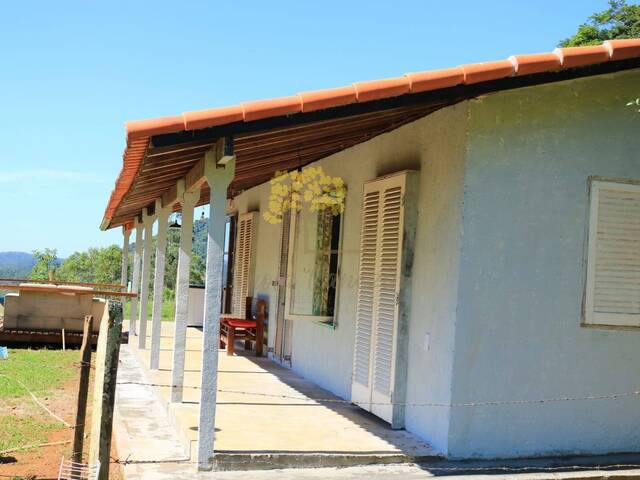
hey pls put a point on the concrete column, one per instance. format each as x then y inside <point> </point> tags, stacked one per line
<point>218,179</point>
<point>158,283</point>
<point>188,201</point>
<point>135,280</point>
<point>125,256</point>
<point>148,221</point>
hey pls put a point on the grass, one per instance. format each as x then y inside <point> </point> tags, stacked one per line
<point>24,430</point>
<point>40,370</point>
<point>168,310</point>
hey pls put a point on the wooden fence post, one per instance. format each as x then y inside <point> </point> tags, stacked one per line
<point>83,388</point>
<point>104,393</point>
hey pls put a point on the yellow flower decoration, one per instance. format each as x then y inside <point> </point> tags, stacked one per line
<point>289,190</point>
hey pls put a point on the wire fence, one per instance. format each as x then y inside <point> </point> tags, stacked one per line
<point>610,396</point>
<point>314,400</point>
<point>334,400</point>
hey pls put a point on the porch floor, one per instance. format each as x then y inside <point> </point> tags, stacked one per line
<point>271,417</point>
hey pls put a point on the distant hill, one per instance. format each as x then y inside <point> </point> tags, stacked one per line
<point>16,264</point>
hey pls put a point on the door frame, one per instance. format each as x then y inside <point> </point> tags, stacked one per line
<point>282,346</point>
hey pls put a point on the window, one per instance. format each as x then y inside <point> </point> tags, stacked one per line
<point>613,263</point>
<point>314,247</point>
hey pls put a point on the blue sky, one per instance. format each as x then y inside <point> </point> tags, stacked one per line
<point>71,74</point>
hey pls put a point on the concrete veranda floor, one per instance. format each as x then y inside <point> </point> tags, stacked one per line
<point>148,442</point>
<point>267,416</point>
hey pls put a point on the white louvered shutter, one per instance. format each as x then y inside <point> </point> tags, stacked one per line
<point>243,274</point>
<point>378,293</point>
<point>361,391</point>
<point>613,263</point>
<point>389,257</point>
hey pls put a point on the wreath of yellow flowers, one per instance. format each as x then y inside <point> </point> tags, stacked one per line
<point>289,190</point>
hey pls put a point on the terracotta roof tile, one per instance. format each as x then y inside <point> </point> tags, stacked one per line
<point>378,89</point>
<point>139,132</point>
<point>132,159</point>
<point>435,79</point>
<point>580,56</point>
<point>622,49</point>
<point>535,63</point>
<point>212,117</point>
<point>483,72</point>
<point>273,107</point>
<point>154,126</point>
<point>329,98</point>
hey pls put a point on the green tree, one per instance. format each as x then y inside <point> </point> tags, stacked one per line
<point>46,264</point>
<point>96,265</point>
<point>103,265</point>
<point>620,20</point>
<point>200,228</point>
<point>198,265</point>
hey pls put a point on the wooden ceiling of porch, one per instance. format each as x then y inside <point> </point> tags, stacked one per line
<point>259,154</point>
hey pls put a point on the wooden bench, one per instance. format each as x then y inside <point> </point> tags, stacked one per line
<point>250,329</point>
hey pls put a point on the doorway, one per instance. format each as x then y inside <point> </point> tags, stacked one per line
<point>228,262</point>
<point>282,351</point>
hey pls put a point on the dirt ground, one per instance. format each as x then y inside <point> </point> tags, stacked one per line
<point>44,462</point>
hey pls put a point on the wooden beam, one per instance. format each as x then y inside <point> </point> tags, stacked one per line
<point>194,178</point>
<point>177,170</point>
<point>184,147</point>
<point>41,337</point>
<point>59,282</point>
<point>95,293</point>
<point>151,165</point>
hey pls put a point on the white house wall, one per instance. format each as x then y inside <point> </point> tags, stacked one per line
<point>522,274</point>
<point>435,145</point>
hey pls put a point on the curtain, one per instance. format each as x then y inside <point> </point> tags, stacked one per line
<point>321,277</point>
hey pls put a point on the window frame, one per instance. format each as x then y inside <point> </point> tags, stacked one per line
<point>591,318</point>
<point>329,320</point>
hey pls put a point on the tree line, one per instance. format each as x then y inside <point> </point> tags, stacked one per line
<point>103,264</point>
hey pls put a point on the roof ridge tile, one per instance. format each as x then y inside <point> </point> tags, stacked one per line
<point>435,79</point>
<point>580,56</point>
<point>370,90</point>
<point>621,49</point>
<point>485,71</point>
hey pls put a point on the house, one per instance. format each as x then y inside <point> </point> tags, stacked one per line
<point>480,287</point>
